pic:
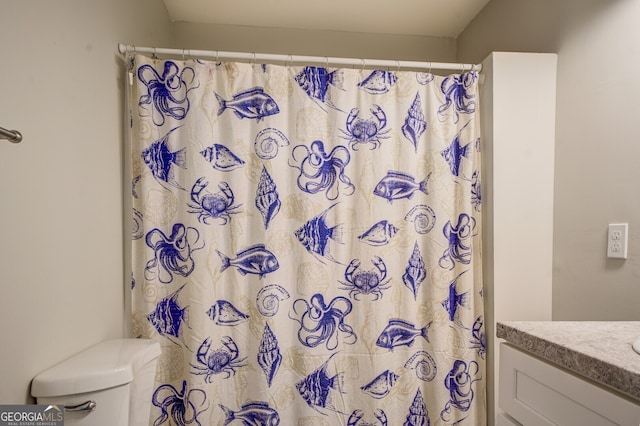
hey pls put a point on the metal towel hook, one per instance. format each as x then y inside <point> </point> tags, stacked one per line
<point>10,135</point>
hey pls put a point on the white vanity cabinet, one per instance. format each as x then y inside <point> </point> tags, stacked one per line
<point>535,392</point>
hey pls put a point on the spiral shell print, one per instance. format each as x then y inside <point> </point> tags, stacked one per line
<point>423,218</point>
<point>269,298</point>
<point>269,356</point>
<point>424,365</point>
<point>267,199</point>
<point>415,271</point>
<point>268,141</point>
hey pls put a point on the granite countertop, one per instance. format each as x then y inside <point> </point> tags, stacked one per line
<point>598,350</point>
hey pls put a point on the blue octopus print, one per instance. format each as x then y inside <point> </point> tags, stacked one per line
<point>459,382</point>
<point>223,360</point>
<point>458,236</point>
<point>318,388</point>
<point>321,323</point>
<point>418,414</point>
<point>167,95</point>
<point>455,89</point>
<point>320,171</point>
<point>414,124</point>
<point>161,160</point>
<point>168,316</point>
<point>366,131</point>
<point>172,254</point>
<point>180,408</point>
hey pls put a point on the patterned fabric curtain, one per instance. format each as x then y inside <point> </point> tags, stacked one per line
<point>306,244</point>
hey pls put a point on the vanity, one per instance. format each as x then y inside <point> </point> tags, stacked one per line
<point>569,373</point>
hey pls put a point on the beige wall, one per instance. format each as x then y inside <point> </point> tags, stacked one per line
<point>313,43</point>
<point>597,177</point>
<point>61,219</point>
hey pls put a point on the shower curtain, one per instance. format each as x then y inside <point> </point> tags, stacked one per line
<point>306,243</point>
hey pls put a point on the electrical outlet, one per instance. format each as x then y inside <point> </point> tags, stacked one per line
<point>617,240</point>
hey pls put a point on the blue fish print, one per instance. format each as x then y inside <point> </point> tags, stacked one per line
<point>399,332</point>
<point>255,413</point>
<point>267,198</point>
<point>415,272</point>
<point>161,160</point>
<point>221,158</point>
<point>396,185</point>
<point>454,153</point>
<point>168,315</point>
<point>414,124</point>
<point>378,82</point>
<point>315,235</point>
<point>318,388</point>
<point>250,103</point>
<point>252,260</point>
<point>182,406</point>
<point>224,313</point>
<point>418,414</point>
<point>379,234</point>
<point>380,386</point>
<point>316,81</point>
<point>269,357</point>
<point>455,299</point>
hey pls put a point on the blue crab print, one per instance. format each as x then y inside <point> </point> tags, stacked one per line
<point>212,206</point>
<point>223,360</point>
<point>355,419</point>
<point>457,236</point>
<point>478,337</point>
<point>321,323</point>
<point>366,131</point>
<point>167,95</point>
<point>455,93</point>
<point>183,407</point>
<point>365,282</point>
<point>320,171</point>
<point>172,254</point>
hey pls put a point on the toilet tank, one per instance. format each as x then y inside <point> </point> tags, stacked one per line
<point>108,384</point>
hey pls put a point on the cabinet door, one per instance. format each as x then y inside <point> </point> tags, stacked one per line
<point>535,392</point>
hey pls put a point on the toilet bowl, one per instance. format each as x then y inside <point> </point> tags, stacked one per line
<point>108,384</point>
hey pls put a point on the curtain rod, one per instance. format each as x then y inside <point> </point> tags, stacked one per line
<point>10,135</point>
<point>270,57</point>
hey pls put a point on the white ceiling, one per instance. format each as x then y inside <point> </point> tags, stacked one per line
<point>439,18</point>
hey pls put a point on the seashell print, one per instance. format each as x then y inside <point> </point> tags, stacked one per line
<point>414,124</point>
<point>137,226</point>
<point>379,234</point>
<point>378,82</point>
<point>159,207</point>
<point>415,272</point>
<point>380,386</point>
<point>267,199</point>
<point>269,298</point>
<point>424,365</point>
<point>268,141</point>
<point>423,218</point>
<point>269,357</point>
<point>224,313</point>
<point>424,78</point>
<point>221,158</point>
<point>418,415</point>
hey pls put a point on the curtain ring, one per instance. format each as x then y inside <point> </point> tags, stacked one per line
<point>398,65</point>
<point>153,55</point>
<point>217,56</point>
<point>290,60</point>
<point>183,54</point>
<point>326,62</point>
<point>429,68</point>
<point>364,64</point>
<point>254,58</point>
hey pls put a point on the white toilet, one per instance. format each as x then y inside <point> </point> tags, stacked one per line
<point>109,384</point>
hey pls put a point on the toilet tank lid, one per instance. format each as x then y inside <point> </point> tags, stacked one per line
<point>107,364</point>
